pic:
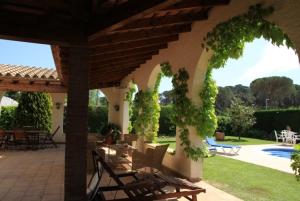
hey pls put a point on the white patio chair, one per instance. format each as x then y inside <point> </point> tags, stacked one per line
<point>289,137</point>
<point>279,136</point>
<point>295,138</point>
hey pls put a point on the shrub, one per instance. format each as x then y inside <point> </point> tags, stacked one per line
<point>97,118</point>
<point>224,124</point>
<point>166,126</point>
<point>7,117</point>
<point>34,109</point>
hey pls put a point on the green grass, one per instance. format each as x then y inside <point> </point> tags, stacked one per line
<point>250,182</point>
<point>228,140</point>
<point>233,140</point>
<point>167,140</point>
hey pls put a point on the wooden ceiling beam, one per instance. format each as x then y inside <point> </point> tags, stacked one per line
<point>128,51</point>
<point>143,34</point>
<point>123,56</point>
<point>113,68</point>
<point>119,61</point>
<point>32,87</point>
<point>191,4</point>
<point>32,29</point>
<point>134,44</point>
<point>94,64</point>
<point>147,23</point>
<point>126,13</point>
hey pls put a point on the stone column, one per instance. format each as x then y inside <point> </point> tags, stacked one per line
<point>58,100</point>
<point>124,111</point>
<point>76,128</point>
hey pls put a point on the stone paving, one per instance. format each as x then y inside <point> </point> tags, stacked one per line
<point>39,176</point>
<point>254,154</point>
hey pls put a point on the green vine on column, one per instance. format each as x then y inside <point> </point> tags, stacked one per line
<point>129,98</point>
<point>187,114</point>
<point>146,109</point>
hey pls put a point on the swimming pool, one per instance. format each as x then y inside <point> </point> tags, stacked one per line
<point>283,153</point>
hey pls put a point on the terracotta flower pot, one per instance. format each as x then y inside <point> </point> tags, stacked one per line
<point>220,136</point>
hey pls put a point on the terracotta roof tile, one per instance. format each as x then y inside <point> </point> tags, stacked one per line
<point>27,72</point>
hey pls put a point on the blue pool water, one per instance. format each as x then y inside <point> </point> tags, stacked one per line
<point>283,153</point>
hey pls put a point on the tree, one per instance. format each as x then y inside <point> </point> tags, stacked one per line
<point>223,100</point>
<point>279,90</point>
<point>242,116</point>
<point>165,98</point>
<point>34,109</point>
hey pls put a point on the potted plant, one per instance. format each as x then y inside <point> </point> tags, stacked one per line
<point>111,133</point>
<point>223,122</point>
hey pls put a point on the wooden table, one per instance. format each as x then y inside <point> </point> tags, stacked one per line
<point>121,156</point>
<point>33,137</point>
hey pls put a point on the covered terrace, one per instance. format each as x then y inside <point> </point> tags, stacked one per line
<point>108,44</point>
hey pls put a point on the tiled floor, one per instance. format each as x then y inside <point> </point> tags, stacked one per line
<point>32,175</point>
<point>39,176</point>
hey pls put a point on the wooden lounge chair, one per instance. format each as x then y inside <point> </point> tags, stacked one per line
<point>144,187</point>
<point>152,158</point>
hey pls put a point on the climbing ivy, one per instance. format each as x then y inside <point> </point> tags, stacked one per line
<point>129,98</point>
<point>227,39</point>
<point>147,112</point>
<point>188,114</point>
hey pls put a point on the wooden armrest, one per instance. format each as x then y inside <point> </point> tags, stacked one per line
<point>127,174</point>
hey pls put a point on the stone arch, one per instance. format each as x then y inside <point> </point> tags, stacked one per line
<point>289,25</point>
<point>153,76</point>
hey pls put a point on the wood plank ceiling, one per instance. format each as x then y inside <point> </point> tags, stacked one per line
<point>121,34</point>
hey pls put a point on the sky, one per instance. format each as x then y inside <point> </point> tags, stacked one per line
<point>260,59</point>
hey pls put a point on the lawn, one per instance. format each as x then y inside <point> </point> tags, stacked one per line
<point>250,182</point>
<point>233,140</point>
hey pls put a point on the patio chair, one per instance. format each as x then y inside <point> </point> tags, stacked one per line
<point>233,149</point>
<point>20,139</point>
<point>279,136</point>
<point>152,158</point>
<point>3,139</point>
<point>49,138</point>
<point>144,187</point>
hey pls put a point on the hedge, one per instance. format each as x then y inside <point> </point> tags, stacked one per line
<point>266,122</point>
<point>7,117</point>
<point>269,120</point>
<point>97,118</point>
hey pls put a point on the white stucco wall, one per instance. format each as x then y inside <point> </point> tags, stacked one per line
<point>58,116</point>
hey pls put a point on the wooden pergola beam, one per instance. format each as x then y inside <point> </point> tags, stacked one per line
<point>147,23</point>
<point>126,13</point>
<point>31,87</point>
<point>117,67</point>
<point>130,51</point>
<point>191,4</point>
<point>123,56</point>
<point>131,45</point>
<point>97,65</point>
<point>142,34</point>
<point>118,62</point>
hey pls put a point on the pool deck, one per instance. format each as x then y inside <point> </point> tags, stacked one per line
<point>254,154</point>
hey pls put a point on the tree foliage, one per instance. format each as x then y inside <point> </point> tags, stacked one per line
<point>34,109</point>
<point>279,90</point>
<point>242,116</point>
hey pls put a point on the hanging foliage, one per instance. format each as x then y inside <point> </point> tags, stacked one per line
<point>227,39</point>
